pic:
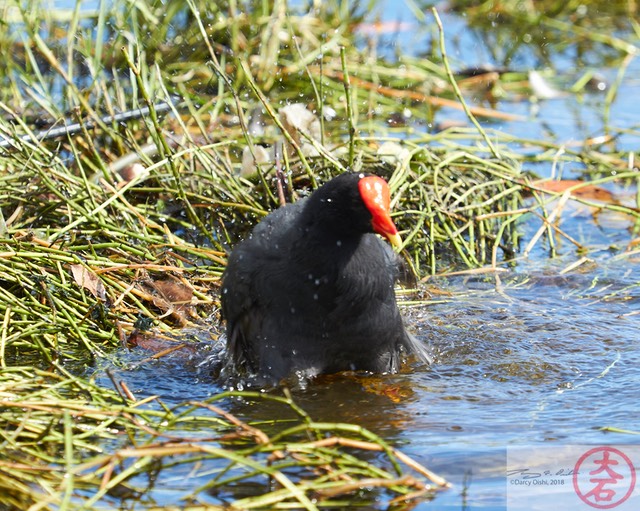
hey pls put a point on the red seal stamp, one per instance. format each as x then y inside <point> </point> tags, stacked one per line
<point>604,477</point>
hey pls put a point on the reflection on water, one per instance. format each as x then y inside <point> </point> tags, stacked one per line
<point>543,358</point>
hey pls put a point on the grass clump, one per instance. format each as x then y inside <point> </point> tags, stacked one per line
<point>62,451</point>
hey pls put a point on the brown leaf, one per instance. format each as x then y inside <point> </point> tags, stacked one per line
<point>173,296</point>
<point>88,280</point>
<point>174,290</point>
<point>583,191</point>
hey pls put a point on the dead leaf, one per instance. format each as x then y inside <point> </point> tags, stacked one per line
<point>259,157</point>
<point>584,191</point>
<point>173,296</point>
<point>301,124</point>
<point>157,345</point>
<point>174,290</point>
<point>88,280</point>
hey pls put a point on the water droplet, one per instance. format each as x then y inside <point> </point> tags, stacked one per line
<point>329,113</point>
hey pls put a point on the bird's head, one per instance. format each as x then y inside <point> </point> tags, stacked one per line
<point>354,203</point>
<point>376,197</point>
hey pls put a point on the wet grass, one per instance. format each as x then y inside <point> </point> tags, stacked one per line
<point>113,225</point>
<point>54,452</point>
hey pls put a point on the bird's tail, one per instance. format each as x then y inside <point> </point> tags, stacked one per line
<point>417,348</point>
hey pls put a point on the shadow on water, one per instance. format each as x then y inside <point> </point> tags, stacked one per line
<point>540,358</point>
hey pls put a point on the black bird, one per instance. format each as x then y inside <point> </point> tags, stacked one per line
<point>311,290</point>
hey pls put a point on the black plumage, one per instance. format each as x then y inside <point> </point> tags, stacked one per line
<point>311,290</point>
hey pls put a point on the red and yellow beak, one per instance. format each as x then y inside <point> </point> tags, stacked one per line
<point>376,196</point>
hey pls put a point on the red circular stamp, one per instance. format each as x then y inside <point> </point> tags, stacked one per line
<point>604,477</point>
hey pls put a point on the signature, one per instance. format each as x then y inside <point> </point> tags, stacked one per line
<point>527,473</point>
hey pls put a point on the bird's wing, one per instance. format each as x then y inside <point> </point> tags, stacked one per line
<point>250,268</point>
<point>239,341</point>
<point>238,309</point>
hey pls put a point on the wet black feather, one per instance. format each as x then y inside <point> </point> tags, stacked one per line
<point>311,290</point>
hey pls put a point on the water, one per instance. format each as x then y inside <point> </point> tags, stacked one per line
<point>538,364</point>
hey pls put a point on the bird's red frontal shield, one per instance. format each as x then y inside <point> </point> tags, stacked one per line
<point>376,196</point>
